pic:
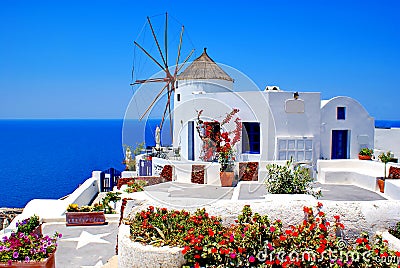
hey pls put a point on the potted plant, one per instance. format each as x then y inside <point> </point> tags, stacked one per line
<point>25,248</point>
<point>85,215</point>
<point>385,158</point>
<point>365,154</point>
<point>220,146</point>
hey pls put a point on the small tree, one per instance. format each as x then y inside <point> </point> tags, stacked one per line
<point>385,158</point>
<point>289,180</point>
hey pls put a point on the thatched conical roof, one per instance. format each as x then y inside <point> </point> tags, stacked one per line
<point>204,68</point>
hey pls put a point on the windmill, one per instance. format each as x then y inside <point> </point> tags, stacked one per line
<point>170,73</point>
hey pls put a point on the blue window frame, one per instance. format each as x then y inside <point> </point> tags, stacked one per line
<point>340,113</point>
<point>251,138</point>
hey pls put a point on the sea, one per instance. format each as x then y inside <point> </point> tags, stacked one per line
<point>42,159</point>
<point>51,158</point>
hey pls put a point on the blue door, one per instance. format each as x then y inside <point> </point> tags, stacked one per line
<point>191,140</point>
<point>340,144</point>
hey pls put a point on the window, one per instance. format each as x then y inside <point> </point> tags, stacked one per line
<point>251,138</point>
<point>178,97</point>
<point>300,149</point>
<point>340,113</point>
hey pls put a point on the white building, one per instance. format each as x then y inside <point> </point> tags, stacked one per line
<point>277,124</point>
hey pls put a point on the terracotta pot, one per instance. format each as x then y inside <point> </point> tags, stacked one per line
<point>85,218</point>
<point>226,178</point>
<point>364,157</point>
<point>381,184</point>
<point>47,263</point>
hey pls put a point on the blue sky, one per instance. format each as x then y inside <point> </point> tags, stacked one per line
<point>73,59</point>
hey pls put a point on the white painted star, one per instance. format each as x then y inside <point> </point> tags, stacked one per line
<point>97,265</point>
<point>87,238</point>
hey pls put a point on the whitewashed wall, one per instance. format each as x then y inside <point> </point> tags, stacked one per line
<point>266,107</point>
<point>358,122</point>
<point>287,124</point>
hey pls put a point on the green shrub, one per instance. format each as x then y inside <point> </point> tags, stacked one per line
<point>366,151</point>
<point>395,230</point>
<point>289,180</point>
<point>136,186</point>
<point>28,225</point>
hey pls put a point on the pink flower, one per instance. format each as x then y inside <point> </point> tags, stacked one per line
<point>232,255</point>
<point>15,254</point>
<point>272,229</point>
<point>252,259</point>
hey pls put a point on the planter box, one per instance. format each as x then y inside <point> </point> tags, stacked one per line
<point>85,218</point>
<point>364,157</point>
<point>50,262</point>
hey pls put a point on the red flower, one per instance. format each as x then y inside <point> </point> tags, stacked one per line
<point>319,205</point>
<point>185,249</point>
<point>197,256</point>
<point>210,232</point>
<point>214,250</point>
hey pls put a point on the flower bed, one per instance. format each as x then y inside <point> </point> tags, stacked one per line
<point>248,171</point>
<point>27,248</point>
<point>198,173</point>
<point>256,241</point>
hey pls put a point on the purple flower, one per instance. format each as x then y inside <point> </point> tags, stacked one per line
<point>59,235</point>
<point>27,259</point>
<point>15,254</point>
<point>9,262</point>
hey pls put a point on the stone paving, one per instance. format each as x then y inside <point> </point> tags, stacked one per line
<point>93,246</point>
<point>85,247</point>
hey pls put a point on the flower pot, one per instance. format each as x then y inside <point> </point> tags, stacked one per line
<point>364,157</point>
<point>381,184</point>
<point>226,178</point>
<point>47,263</point>
<point>85,218</point>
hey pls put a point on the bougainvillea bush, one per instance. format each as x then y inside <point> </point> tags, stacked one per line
<point>256,241</point>
<point>216,144</point>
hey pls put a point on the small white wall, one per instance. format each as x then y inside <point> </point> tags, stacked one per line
<point>288,124</point>
<point>358,122</point>
<point>50,208</point>
<point>387,140</point>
